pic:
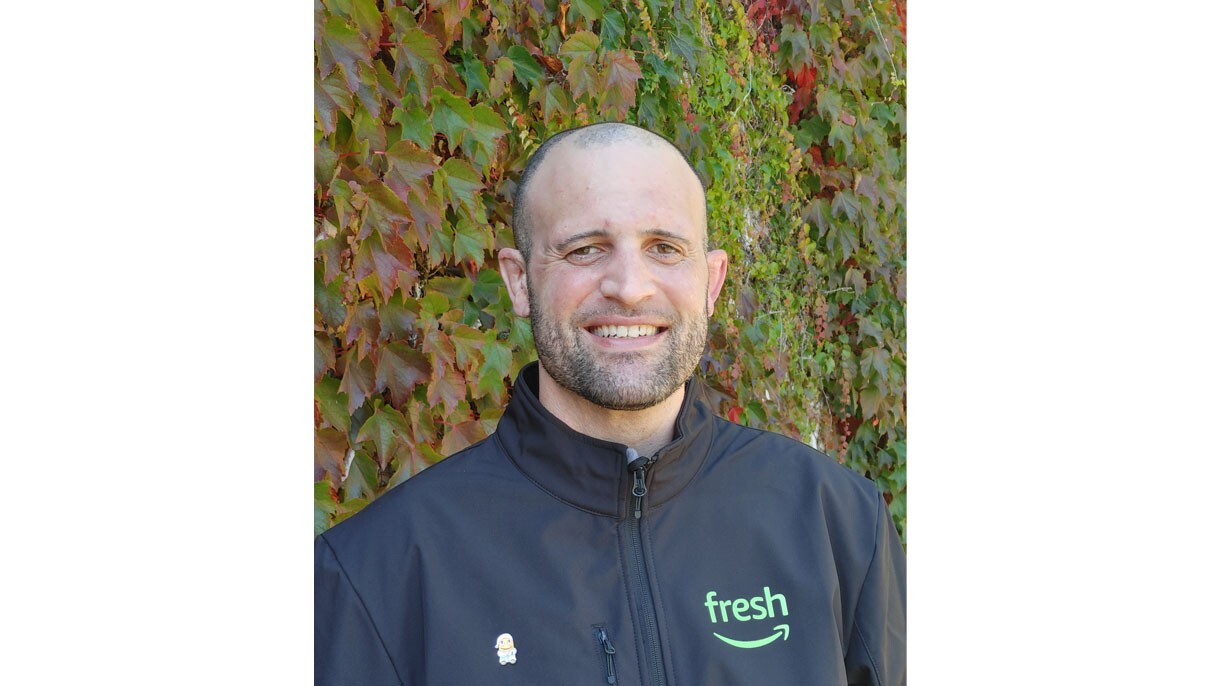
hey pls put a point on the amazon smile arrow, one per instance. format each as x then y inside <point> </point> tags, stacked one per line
<point>779,629</point>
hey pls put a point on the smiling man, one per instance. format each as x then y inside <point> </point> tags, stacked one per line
<point>612,527</point>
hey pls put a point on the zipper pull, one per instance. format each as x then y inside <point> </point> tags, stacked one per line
<point>637,466</point>
<point>609,648</point>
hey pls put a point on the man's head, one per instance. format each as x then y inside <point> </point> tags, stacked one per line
<point>612,265</point>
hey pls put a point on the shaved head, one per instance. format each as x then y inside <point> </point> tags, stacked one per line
<point>584,137</point>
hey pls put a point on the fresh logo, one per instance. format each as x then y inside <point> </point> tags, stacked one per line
<point>748,609</point>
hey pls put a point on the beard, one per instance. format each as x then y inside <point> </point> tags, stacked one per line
<point>633,380</point>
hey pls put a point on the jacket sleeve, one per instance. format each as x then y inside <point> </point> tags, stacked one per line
<point>347,646</point>
<point>877,647</point>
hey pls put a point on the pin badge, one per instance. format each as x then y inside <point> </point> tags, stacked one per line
<point>506,650</point>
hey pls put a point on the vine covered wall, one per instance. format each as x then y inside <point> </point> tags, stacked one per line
<point>425,112</point>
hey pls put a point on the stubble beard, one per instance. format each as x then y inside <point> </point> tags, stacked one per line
<point>621,381</point>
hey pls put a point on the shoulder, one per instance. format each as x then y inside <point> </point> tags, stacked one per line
<point>772,458</point>
<point>395,514</point>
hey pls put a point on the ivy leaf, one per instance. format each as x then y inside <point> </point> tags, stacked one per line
<point>387,429</point>
<point>452,116</point>
<point>447,388</point>
<point>461,436</point>
<point>332,404</point>
<point>794,51</point>
<point>613,28</point>
<point>470,241</point>
<point>580,45</point>
<point>466,343</point>
<point>419,53</point>
<point>328,298</point>
<point>400,368</point>
<point>525,67</point>
<point>461,183</point>
<point>436,342</point>
<point>588,8</point>
<point>620,82</point>
<point>384,209</point>
<point>556,104</point>
<point>329,456</point>
<point>360,484</point>
<point>341,44</point>
<point>323,354</point>
<point>497,358</point>
<point>416,126</point>
<point>330,97</point>
<point>409,168</point>
<point>877,359</point>
<point>358,380</point>
<point>487,131</point>
<point>683,42</point>
<point>870,400</point>
<point>474,73</point>
<point>398,316</point>
<point>368,18</point>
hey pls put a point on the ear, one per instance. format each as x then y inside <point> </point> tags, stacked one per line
<point>717,269</point>
<point>512,270</point>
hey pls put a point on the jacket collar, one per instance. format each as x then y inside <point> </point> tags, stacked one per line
<point>589,473</point>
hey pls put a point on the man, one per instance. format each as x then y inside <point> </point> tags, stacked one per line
<point>612,529</point>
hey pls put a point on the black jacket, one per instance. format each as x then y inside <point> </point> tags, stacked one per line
<point>753,559</point>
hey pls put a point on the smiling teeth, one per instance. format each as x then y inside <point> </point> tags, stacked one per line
<point>624,331</point>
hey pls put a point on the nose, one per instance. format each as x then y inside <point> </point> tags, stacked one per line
<point>629,280</point>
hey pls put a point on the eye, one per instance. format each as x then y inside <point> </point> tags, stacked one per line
<point>584,253</point>
<point>667,252</point>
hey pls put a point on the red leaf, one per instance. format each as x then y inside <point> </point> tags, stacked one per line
<point>400,368</point>
<point>620,81</point>
<point>447,387</point>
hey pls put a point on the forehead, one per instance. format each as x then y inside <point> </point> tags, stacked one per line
<point>618,186</point>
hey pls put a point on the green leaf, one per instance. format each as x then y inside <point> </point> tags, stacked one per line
<point>488,129</point>
<point>582,44</point>
<point>461,183</point>
<point>328,298</point>
<point>497,358</point>
<point>368,18</point>
<point>474,73</point>
<point>410,168</point>
<point>612,28</point>
<point>416,126</point>
<point>419,53</point>
<point>525,67</point>
<point>332,404</point>
<point>361,481</point>
<point>870,400</point>
<point>341,44</point>
<point>470,241</point>
<point>452,116</point>
<point>331,96</point>
<point>466,343</point>
<point>387,429</point>
<point>794,51</point>
<point>588,8</point>
<point>455,288</point>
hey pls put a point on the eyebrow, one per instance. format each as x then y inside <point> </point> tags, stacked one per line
<point>602,233</point>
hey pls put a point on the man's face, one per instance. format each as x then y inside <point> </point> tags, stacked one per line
<point>618,283</point>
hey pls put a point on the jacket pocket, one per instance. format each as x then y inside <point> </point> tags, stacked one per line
<point>606,648</point>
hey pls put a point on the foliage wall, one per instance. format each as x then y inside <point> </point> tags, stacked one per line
<point>425,112</point>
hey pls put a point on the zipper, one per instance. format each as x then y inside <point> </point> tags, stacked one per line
<point>638,466</point>
<point>608,647</point>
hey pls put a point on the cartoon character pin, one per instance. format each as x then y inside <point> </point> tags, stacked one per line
<point>506,649</point>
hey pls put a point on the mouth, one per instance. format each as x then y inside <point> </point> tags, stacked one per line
<point>634,331</point>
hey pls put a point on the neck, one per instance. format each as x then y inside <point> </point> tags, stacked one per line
<point>645,430</point>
